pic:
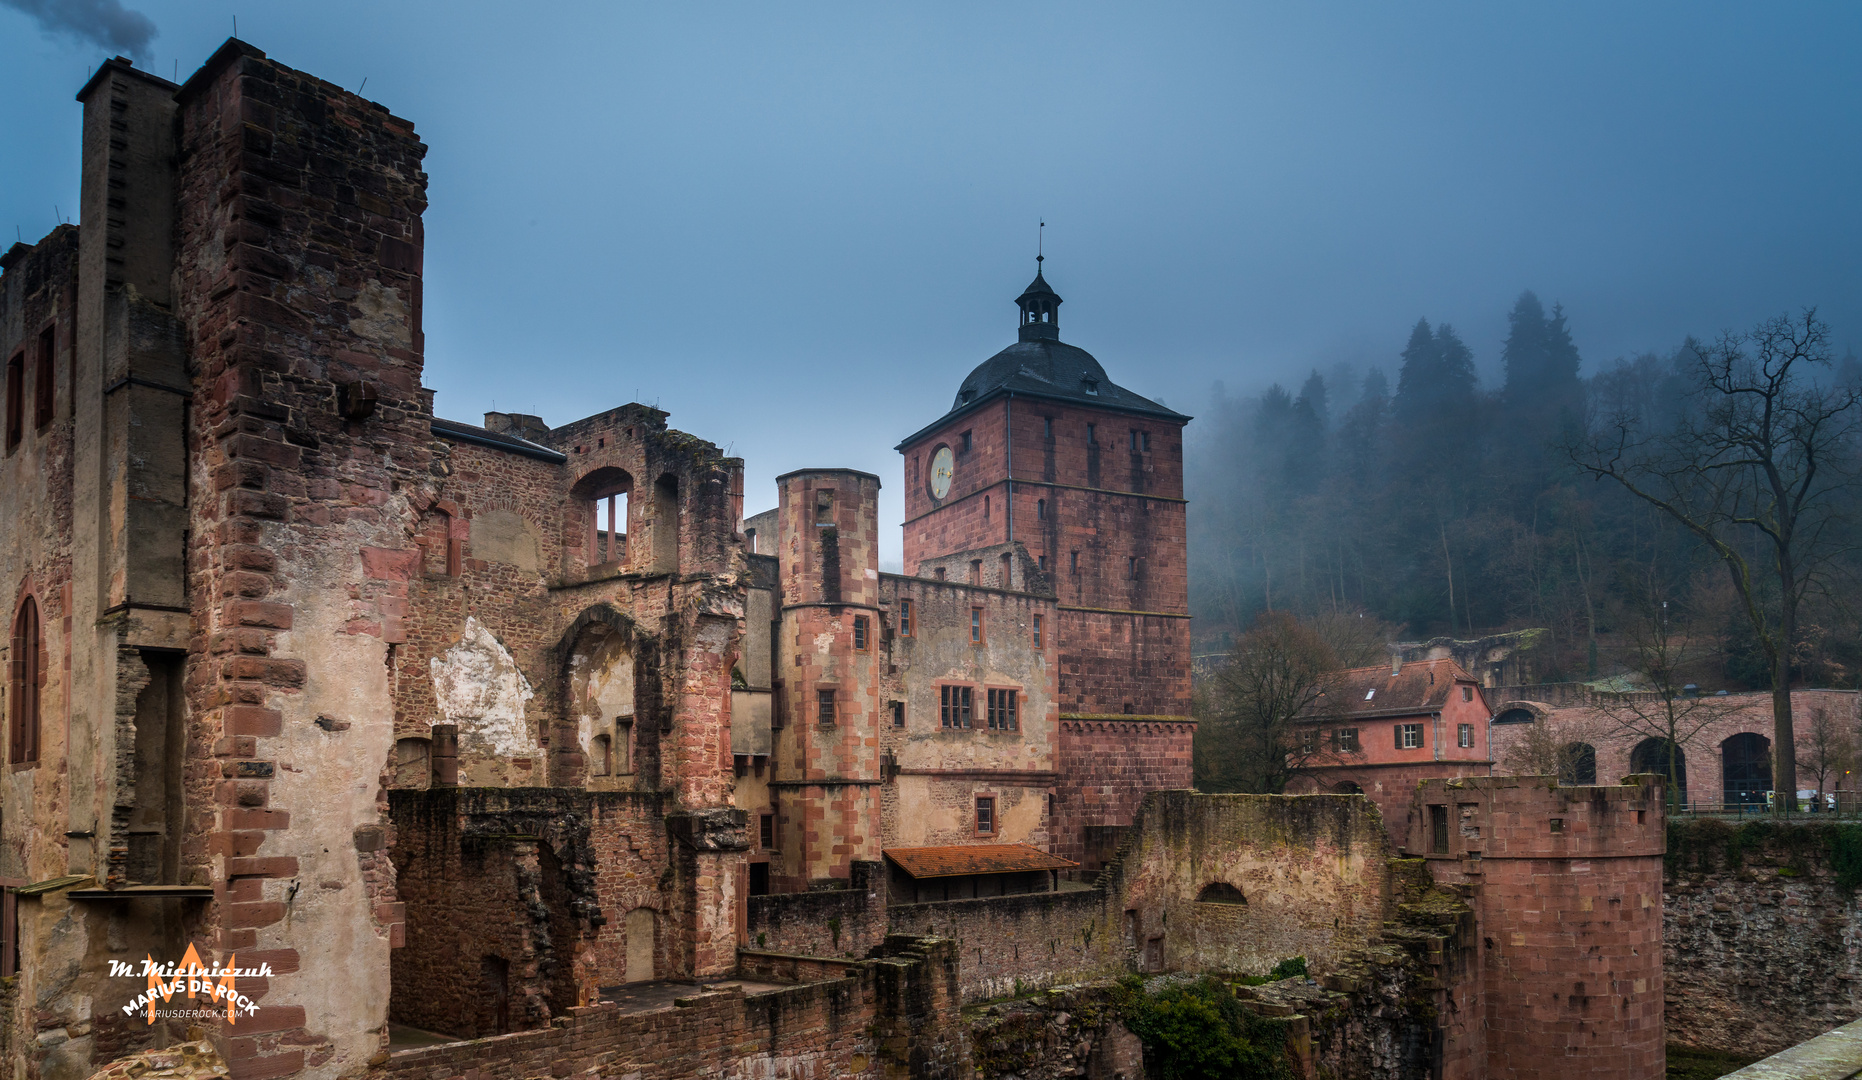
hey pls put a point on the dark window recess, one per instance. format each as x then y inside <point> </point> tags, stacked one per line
<point>1092,434</point>
<point>939,572</point>
<point>15,400</point>
<point>898,714</point>
<point>955,706</point>
<point>776,708</point>
<point>1040,509</point>
<point>1041,561</point>
<point>25,684</point>
<point>1002,715</point>
<point>1047,431</point>
<point>1438,829</point>
<point>1144,438</point>
<point>1074,562</point>
<point>859,632</point>
<point>964,439</point>
<point>759,879</point>
<point>43,386</point>
<point>825,708</point>
<point>985,815</point>
<point>766,830</point>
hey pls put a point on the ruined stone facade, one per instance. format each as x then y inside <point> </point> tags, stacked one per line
<point>483,735</point>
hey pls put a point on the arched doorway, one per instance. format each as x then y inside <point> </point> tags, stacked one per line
<point>1665,759</point>
<point>1577,763</point>
<point>1745,768</point>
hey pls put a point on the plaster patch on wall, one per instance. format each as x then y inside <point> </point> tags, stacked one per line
<point>479,687</point>
<point>384,315</point>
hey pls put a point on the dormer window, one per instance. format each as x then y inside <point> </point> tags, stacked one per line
<point>965,396</point>
<point>1092,386</point>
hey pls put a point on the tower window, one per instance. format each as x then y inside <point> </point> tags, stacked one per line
<point>825,707</point>
<point>15,400</point>
<point>985,815</point>
<point>1131,566</point>
<point>1040,509</point>
<point>1037,631</point>
<point>905,617</point>
<point>1092,434</point>
<point>898,714</point>
<point>860,631</point>
<point>25,685</point>
<point>976,626</point>
<point>985,508</point>
<point>1041,560</point>
<point>965,440</point>
<point>1047,427</point>
<point>976,571</point>
<point>1073,561</point>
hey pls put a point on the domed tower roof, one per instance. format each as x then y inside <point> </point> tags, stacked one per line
<point>1040,365</point>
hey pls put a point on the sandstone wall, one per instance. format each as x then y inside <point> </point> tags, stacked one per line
<point>1012,944</point>
<point>1762,938</point>
<point>828,922</point>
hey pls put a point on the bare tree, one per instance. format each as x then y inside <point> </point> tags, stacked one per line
<point>1665,654</point>
<point>1828,748</point>
<point>1755,463</point>
<point>1246,741</point>
<point>1566,748</point>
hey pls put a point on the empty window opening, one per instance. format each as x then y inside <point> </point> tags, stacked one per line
<point>985,508</point>
<point>157,817</point>
<point>1131,566</point>
<point>1409,736</point>
<point>1073,560</point>
<point>955,706</point>
<point>1037,631</point>
<point>859,633</point>
<point>938,573</point>
<point>601,756</point>
<point>15,400</point>
<point>905,617</point>
<point>1041,561</point>
<point>622,757</point>
<point>665,530</point>
<point>1047,427</point>
<point>976,571</point>
<point>964,439</point>
<point>1220,892</point>
<point>824,714</point>
<point>1007,579</point>
<point>25,684</point>
<point>604,495</point>
<point>759,879</point>
<point>42,385</point>
<point>1002,710</point>
<point>824,507</point>
<point>898,714</point>
<point>1438,829</point>
<point>1092,435</point>
<point>985,815</point>
<point>1040,509</point>
<point>976,626</point>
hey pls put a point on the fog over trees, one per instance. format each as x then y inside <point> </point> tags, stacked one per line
<point>1443,506</point>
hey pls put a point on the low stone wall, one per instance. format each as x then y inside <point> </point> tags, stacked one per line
<point>1760,936</point>
<point>1013,944</point>
<point>894,1014</point>
<point>832,922</point>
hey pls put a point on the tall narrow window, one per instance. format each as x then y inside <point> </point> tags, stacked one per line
<point>859,633</point>
<point>1144,439</point>
<point>939,573</point>
<point>767,831</point>
<point>976,571</point>
<point>1007,579</point>
<point>43,385</point>
<point>601,756</point>
<point>954,705</point>
<point>1131,566</point>
<point>1073,562</point>
<point>1037,631</point>
<point>1041,561</point>
<point>1438,829</point>
<point>1464,736</point>
<point>1047,430</point>
<point>1092,434</point>
<point>15,400</point>
<point>898,714</point>
<point>26,680</point>
<point>825,702</point>
<point>976,626</point>
<point>1040,509</point>
<point>905,617</point>
<point>985,816</point>
<point>1002,710</point>
<point>966,442</point>
<point>1134,440</point>
<point>985,508</point>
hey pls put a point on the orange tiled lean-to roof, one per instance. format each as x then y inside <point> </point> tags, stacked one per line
<point>959,859</point>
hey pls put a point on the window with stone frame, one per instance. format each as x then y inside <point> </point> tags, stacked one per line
<point>825,707</point>
<point>954,706</point>
<point>985,815</point>
<point>1037,631</point>
<point>976,626</point>
<point>905,616</point>
<point>766,831</point>
<point>1003,707</point>
<point>861,633</point>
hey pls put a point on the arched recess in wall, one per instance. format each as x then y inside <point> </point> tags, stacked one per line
<point>1221,892</point>
<point>1663,758</point>
<point>25,683</point>
<point>600,503</point>
<point>1577,763</point>
<point>1745,767</point>
<point>610,696</point>
<point>1515,716</point>
<point>1347,787</point>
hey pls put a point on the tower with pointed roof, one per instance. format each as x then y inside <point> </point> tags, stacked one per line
<point>1042,451</point>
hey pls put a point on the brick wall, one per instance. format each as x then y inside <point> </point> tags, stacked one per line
<point>1114,663</point>
<point>1106,766</point>
<point>1758,937</point>
<point>826,922</point>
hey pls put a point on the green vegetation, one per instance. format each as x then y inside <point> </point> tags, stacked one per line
<point>1290,968</point>
<point>1704,845</point>
<point>1199,1031</point>
<point>1688,1063</point>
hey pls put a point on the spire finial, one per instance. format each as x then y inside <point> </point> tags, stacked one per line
<point>1040,237</point>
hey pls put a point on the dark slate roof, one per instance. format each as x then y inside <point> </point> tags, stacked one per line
<point>1046,369</point>
<point>962,859</point>
<point>497,440</point>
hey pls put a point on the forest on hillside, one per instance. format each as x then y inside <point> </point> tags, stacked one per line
<point>1438,506</point>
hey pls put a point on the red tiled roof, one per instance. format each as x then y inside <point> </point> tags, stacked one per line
<point>1419,687</point>
<point>959,859</point>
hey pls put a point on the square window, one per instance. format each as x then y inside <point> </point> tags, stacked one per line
<point>905,617</point>
<point>955,706</point>
<point>976,626</point>
<point>859,633</point>
<point>1409,736</point>
<point>1347,740</point>
<point>825,713</point>
<point>1465,735</point>
<point>1037,630</point>
<point>985,815</point>
<point>1002,710</point>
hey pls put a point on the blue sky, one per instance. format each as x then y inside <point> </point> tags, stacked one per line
<point>797,227</point>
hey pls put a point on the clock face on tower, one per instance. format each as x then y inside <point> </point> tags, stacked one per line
<point>942,466</point>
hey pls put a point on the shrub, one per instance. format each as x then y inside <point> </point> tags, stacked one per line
<point>1198,1031</point>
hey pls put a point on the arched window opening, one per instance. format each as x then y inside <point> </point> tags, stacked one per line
<point>1577,763</point>
<point>1515,716</point>
<point>602,496</point>
<point>1665,759</point>
<point>1221,892</point>
<point>25,684</point>
<point>1745,766</point>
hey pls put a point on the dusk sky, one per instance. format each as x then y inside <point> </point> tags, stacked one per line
<point>797,227</point>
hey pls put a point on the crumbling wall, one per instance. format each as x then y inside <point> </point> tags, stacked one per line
<point>1013,944</point>
<point>1760,932</point>
<point>825,922</point>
